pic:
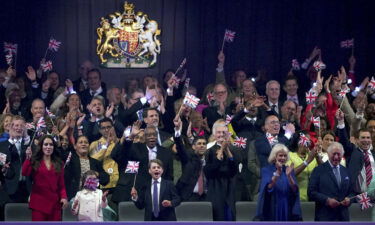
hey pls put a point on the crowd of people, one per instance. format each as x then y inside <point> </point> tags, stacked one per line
<point>306,138</point>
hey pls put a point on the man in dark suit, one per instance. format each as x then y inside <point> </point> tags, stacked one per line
<point>291,89</point>
<point>264,144</point>
<point>329,187</point>
<point>15,185</point>
<point>95,87</point>
<point>159,197</point>
<point>192,185</point>
<point>273,96</point>
<point>151,117</point>
<point>81,83</point>
<point>359,157</point>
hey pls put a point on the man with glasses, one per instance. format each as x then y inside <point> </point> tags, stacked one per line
<point>264,144</point>
<point>101,150</point>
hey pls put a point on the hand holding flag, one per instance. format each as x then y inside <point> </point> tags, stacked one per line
<point>191,100</point>
<point>228,37</point>
<point>319,65</point>
<point>47,66</point>
<point>364,200</point>
<point>311,97</point>
<point>132,167</point>
<point>54,45</point>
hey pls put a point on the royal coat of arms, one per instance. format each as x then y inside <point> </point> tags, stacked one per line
<point>128,40</point>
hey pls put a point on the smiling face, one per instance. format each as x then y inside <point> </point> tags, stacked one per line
<point>272,125</point>
<point>364,140</point>
<point>47,147</point>
<point>335,156</point>
<point>82,146</point>
<point>155,170</point>
<point>37,109</point>
<point>151,136</point>
<point>200,147</point>
<point>282,157</point>
<point>17,128</point>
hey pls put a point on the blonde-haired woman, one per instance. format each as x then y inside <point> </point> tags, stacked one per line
<point>278,195</point>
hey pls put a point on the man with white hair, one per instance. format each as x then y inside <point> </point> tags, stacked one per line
<point>273,94</point>
<point>220,171</point>
<point>330,188</point>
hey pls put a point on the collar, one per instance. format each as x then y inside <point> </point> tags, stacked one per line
<point>154,149</point>
<point>369,150</point>
<point>15,140</point>
<point>332,166</point>
<point>251,118</point>
<point>97,91</point>
<point>290,96</point>
<point>271,104</point>
<point>159,180</point>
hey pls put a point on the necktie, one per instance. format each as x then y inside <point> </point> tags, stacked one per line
<point>337,175</point>
<point>155,199</point>
<point>274,108</point>
<point>93,93</point>
<point>367,168</point>
<point>201,180</point>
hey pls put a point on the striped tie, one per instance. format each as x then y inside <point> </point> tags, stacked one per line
<point>368,168</point>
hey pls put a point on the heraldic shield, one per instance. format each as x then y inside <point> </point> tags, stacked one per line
<point>128,40</point>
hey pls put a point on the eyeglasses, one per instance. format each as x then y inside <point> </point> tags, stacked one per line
<point>106,128</point>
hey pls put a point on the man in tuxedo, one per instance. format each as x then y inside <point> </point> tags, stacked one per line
<point>192,185</point>
<point>272,136</point>
<point>273,94</point>
<point>159,197</point>
<point>291,89</point>
<point>95,87</point>
<point>16,186</point>
<point>81,83</point>
<point>329,187</point>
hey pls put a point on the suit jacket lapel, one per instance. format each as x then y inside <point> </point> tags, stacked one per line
<point>162,190</point>
<point>332,175</point>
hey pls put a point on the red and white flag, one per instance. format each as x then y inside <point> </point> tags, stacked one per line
<point>54,45</point>
<point>319,65</point>
<point>364,200</point>
<point>316,121</point>
<point>132,167</point>
<point>47,66</point>
<point>191,100</point>
<point>10,48</point>
<point>295,64</point>
<point>311,97</point>
<point>347,43</point>
<point>228,119</point>
<point>30,126</point>
<point>210,97</point>
<point>343,92</point>
<point>303,140</point>
<point>240,142</point>
<point>176,80</point>
<point>49,113</point>
<point>68,159</point>
<point>229,35</point>
<point>371,84</point>
<point>41,123</point>
<point>271,139</point>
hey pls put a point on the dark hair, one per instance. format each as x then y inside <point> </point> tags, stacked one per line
<point>37,157</point>
<point>85,175</point>
<point>146,110</point>
<point>95,70</point>
<point>105,119</point>
<point>328,132</point>
<point>356,135</point>
<point>198,138</point>
<point>291,78</point>
<point>157,161</point>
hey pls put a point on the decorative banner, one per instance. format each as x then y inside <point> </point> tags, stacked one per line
<point>128,39</point>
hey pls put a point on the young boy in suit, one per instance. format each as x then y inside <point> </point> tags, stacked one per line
<point>159,197</point>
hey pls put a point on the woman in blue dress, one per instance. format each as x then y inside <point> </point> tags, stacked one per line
<point>278,194</point>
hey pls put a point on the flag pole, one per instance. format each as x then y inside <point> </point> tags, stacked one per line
<point>353,48</point>
<point>135,178</point>
<point>222,45</point>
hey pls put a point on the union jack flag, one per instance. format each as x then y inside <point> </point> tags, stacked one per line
<point>318,65</point>
<point>9,58</point>
<point>271,139</point>
<point>295,64</point>
<point>210,97</point>
<point>228,119</point>
<point>371,84</point>
<point>191,100</point>
<point>132,167</point>
<point>229,35</point>
<point>68,159</point>
<point>49,113</point>
<point>364,200</point>
<point>30,126</point>
<point>176,80</point>
<point>240,142</point>
<point>47,66</point>
<point>41,123</point>
<point>343,92</point>
<point>91,183</point>
<point>54,45</point>
<point>311,97</point>
<point>303,140</point>
<point>347,43</point>
<point>11,48</point>
<point>316,121</point>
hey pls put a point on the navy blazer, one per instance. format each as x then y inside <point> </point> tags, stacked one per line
<point>263,147</point>
<point>323,185</point>
<point>167,192</point>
